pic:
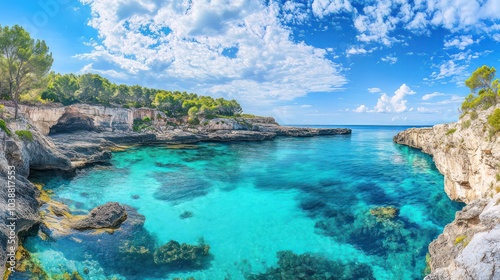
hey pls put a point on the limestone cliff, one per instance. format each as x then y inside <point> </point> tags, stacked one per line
<point>467,153</point>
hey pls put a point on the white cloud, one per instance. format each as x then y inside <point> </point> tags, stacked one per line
<point>423,110</point>
<point>390,59</point>
<point>432,95</point>
<point>378,20</point>
<point>374,90</point>
<point>395,103</point>
<point>305,106</point>
<point>361,109</point>
<point>460,42</point>
<point>496,37</point>
<point>454,99</point>
<point>360,50</point>
<point>321,8</point>
<point>399,118</point>
<point>448,69</point>
<point>182,45</point>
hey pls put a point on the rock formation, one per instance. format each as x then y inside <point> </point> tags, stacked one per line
<point>83,134</point>
<point>467,153</point>
<point>109,215</point>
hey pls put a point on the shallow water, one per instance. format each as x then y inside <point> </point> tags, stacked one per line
<point>250,200</point>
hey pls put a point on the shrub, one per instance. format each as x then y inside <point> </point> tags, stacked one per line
<point>451,131</point>
<point>140,124</point>
<point>494,120</point>
<point>3,126</point>
<point>194,121</point>
<point>473,115</point>
<point>25,135</point>
<point>460,238</point>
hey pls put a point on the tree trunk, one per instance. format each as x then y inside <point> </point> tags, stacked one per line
<point>15,110</point>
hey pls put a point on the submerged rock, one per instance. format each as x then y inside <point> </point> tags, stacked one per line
<point>181,255</point>
<point>384,213</point>
<point>313,267</point>
<point>109,215</point>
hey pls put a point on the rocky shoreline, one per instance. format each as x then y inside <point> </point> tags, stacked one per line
<point>468,156</point>
<point>71,137</point>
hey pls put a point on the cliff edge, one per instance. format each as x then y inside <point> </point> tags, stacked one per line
<point>467,153</point>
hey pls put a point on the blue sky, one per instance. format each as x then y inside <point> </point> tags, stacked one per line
<point>303,62</point>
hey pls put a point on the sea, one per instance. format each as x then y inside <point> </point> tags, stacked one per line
<point>353,206</point>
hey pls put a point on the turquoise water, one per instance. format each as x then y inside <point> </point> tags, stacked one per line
<point>251,200</point>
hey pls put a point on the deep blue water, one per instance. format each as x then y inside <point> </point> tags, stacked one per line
<point>251,200</point>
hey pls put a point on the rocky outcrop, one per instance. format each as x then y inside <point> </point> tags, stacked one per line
<point>469,247</point>
<point>464,152</point>
<point>109,215</point>
<point>467,153</point>
<point>103,118</point>
<point>22,155</point>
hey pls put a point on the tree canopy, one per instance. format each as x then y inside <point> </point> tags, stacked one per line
<point>24,62</point>
<point>94,89</point>
<point>485,89</point>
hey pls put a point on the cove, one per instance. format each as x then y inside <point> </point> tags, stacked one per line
<point>251,200</point>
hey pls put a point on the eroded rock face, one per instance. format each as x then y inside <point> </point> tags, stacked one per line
<point>468,155</point>
<point>109,215</point>
<point>72,120</point>
<point>463,152</point>
<point>469,247</point>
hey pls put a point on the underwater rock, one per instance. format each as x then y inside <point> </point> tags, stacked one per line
<point>177,255</point>
<point>384,213</point>
<point>313,267</point>
<point>186,214</point>
<point>109,215</point>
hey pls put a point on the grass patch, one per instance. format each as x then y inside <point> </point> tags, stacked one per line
<point>466,124</point>
<point>473,115</point>
<point>3,126</point>
<point>451,131</point>
<point>494,120</point>
<point>25,135</point>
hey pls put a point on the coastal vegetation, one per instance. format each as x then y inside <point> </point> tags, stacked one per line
<point>485,90</point>
<point>24,77</point>
<point>24,62</point>
<point>24,135</point>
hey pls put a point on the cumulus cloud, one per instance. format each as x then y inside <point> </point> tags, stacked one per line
<point>395,103</point>
<point>321,8</point>
<point>378,20</point>
<point>354,51</point>
<point>374,90</point>
<point>460,42</point>
<point>432,95</point>
<point>185,44</point>
<point>361,109</point>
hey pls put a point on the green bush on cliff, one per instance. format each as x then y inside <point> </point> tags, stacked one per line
<point>451,131</point>
<point>485,92</point>
<point>25,135</point>
<point>140,124</point>
<point>3,126</point>
<point>494,120</point>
